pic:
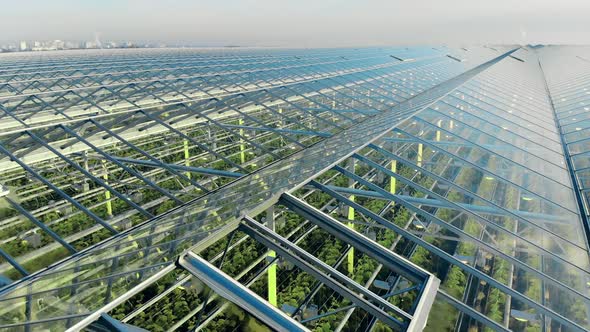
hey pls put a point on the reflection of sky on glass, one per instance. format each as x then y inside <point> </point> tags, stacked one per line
<point>300,22</point>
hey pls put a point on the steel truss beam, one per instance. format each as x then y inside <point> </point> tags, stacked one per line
<point>235,292</point>
<point>201,170</point>
<point>326,274</point>
<point>441,204</point>
<point>429,283</point>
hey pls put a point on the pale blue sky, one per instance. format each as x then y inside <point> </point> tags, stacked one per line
<point>300,22</point>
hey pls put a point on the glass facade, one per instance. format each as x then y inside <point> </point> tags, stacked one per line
<point>468,163</point>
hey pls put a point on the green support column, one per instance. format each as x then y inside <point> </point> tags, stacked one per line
<point>351,252</point>
<point>187,156</point>
<point>420,148</point>
<point>272,270</point>
<point>392,180</point>
<point>351,167</point>
<point>107,194</point>
<point>438,131</point>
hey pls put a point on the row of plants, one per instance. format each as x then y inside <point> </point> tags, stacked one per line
<point>78,221</point>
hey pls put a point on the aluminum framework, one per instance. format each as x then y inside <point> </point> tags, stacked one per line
<point>397,184</point>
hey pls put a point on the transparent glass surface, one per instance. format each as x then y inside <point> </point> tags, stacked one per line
<point>95,277</point>
<point>490,210</point>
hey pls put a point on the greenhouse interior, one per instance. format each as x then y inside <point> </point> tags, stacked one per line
<point>256,189</point>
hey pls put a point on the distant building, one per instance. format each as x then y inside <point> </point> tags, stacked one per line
<point>71,45</point>
<point>90,44</point>
<point>58,44</point>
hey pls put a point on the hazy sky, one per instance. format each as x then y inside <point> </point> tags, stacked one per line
<point>300,22</point>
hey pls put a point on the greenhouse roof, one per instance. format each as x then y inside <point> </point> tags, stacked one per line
<point>350,187</point>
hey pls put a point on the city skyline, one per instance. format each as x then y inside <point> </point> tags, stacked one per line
<point>301,24</point>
